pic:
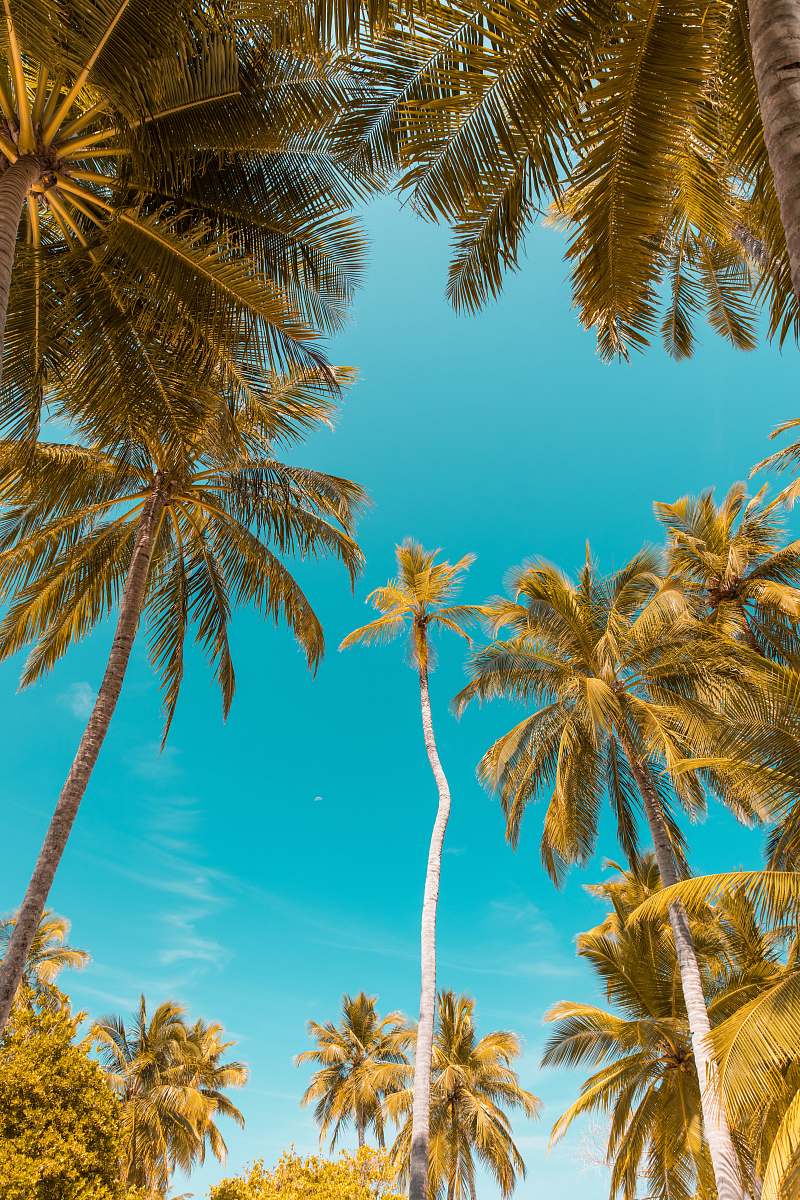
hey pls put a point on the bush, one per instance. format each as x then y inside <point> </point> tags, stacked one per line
<point>59,1119</point>
<point>365,1176</point>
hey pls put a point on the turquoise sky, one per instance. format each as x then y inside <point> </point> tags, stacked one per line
<point>258,870</point>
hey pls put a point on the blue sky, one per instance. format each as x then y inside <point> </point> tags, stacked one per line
<point>257,870</point>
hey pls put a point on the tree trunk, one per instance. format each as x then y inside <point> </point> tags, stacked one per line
<point>715,1122</point>
<point>15,183</point>
<point>775,43</point>
<point>13,965</point>
<point>360,1132</point>
<point>420,1113</point>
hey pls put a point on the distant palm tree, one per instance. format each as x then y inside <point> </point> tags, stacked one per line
<point>361,1060</point>
<point>170,1081</point>
<point>627,686</point>
<point>181,526</point>
<point>420,598</point>
<point>731,562</point>
<point>48,955</point>
<point>473,1087</point>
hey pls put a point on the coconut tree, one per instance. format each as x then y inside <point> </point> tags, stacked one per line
<point>626,682</point>
<point>49,954</point>
<point>360,1061</point>
<point>731,562</point>
<point>419,600</point>
<point>640,1048</point>
<point>474,1087</point>
<point>170,1080</point>
<point>181,527</point>
<point>756,1046</point>
<point>185,157</point>
<point>662,132</point>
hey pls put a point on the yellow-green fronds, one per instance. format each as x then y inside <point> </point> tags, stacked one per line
<point>417,600</point>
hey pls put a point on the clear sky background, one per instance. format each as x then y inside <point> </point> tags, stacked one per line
<point>257,870</point>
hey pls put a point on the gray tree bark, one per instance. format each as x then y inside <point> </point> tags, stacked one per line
<point>775,43</point>
<point>15,183</point>
<point>133,595</point>
<point>724,1160</point>
<point>421,1108</point>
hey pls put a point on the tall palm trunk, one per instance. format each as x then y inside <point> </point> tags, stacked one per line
<point>775,43</point>
<point>133,595</point>
<point>724,1160</point>
<point>15,183</point>
<point>421,1109</point>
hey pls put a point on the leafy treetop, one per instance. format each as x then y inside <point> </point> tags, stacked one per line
<point>363,1176</point>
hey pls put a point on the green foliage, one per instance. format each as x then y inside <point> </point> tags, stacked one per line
<point>365,1176</point>
<point>59,1120</point>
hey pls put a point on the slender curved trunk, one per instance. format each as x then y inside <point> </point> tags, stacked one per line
<point>421,1109</point>
<point>775,44</point>
<point>15,183</point>
<point>55,840</point>
<point>724,1160</point>
<point>360,1132</point>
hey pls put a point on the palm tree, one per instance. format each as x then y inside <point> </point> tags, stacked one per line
<point>645,1078</point>
<point>730,562</point>
<point>756,1045</point>
<point>178,532</point>
<point>188,159</point>
<point>170,1083</point>
<point>627,682</point>
<point>48,955</point>
<point>420,598</point>
<point>361,1061</point>
<point>661,132</point>
<point>473,1087</point>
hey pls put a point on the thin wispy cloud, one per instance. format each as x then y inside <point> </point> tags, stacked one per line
<point>150,762</point>
<point>79,699</point>
<point>187,945</point>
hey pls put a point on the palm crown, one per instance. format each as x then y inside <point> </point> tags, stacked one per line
<point>641,1048</point>
<point>170,1080</point>
<point>730,561</point>
<point>643,124</point>
<point>623,677</point>
<point>756,1042</point>
<point>361,1061</point>
<point>418,597</point>
<point>49,954</point>
<point>184,158</point>
<point>473,1086</point>
<point>227,510</point>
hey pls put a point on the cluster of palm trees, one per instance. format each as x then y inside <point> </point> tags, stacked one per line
<point>169,1075</point>
<point>365,1080</point>
<point>643,1079</point>
<point>176,234</point>
<point>672,680</point>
